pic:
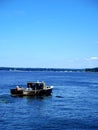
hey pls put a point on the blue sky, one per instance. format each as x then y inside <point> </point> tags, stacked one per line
<point>49,33</point>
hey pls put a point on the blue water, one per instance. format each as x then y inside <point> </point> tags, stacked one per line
<point>73,104</point>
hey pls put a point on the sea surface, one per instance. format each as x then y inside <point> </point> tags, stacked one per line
<point>73,104</point>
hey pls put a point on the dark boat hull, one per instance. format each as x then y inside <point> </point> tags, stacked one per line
<point>46,92</point>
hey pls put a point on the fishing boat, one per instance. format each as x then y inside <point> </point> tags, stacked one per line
<point>32,89</point>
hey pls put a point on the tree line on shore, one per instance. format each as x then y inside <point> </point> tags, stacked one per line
<point>91,69</point>
<point>38,69</point>
<point>49,69</point>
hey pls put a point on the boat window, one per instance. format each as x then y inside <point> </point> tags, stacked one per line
<point>35,85</point>
<point>39,86</point>
<point>29,85</point>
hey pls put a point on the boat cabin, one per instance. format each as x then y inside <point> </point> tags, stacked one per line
<point>36,85</point>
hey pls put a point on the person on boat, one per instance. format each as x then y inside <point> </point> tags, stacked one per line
<point>29,87</point>
<point>17,88</point>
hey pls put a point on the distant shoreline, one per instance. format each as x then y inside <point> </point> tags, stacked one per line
<point>48,69</point>
<point>39,69</point>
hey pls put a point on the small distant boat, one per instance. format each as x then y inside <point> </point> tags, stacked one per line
<point>33,89</point>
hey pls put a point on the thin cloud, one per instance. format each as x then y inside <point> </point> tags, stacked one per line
<point>91,61</point>
<point>91,58</point>
<point>94,58</point>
